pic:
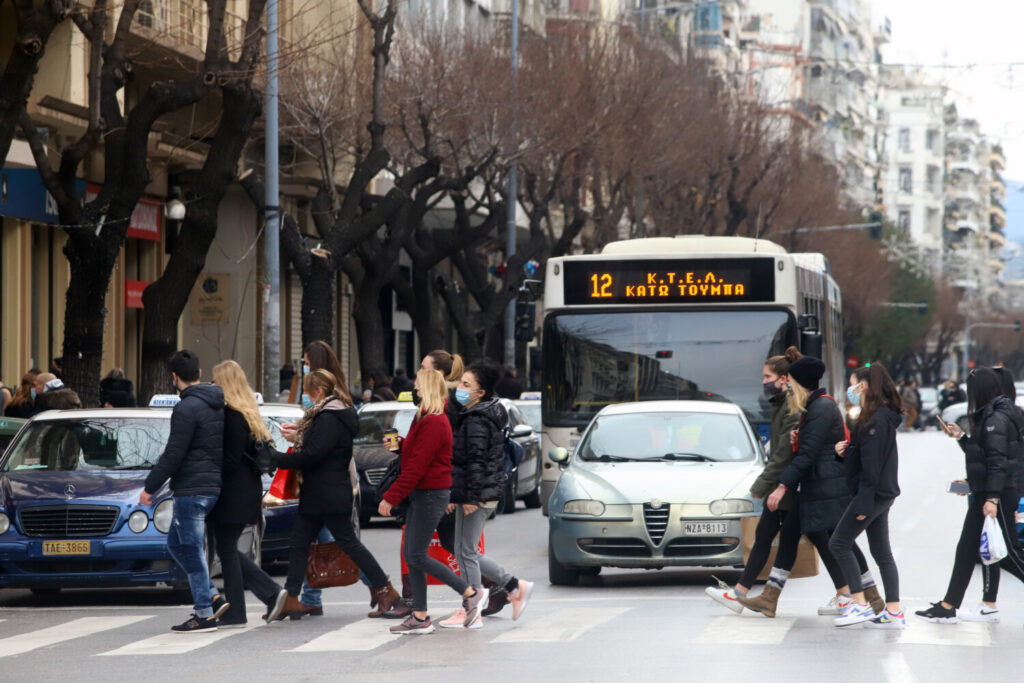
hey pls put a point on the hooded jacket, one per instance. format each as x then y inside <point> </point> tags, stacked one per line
<point>194,454</point>
<point>781,453</point>
<point>478,453</point>
<point>323,458</point>
<point>823,491</point>
<point>993,453</point>
<point>872,460</point>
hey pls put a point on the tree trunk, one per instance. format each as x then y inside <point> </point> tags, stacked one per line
<point>318,302</point>
<point>369,332</point>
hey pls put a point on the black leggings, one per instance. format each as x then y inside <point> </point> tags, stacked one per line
<point>786,557</point>
<point>843,545</point>
<point>967,548</point>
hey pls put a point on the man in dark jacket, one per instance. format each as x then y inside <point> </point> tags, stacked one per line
<point>509,386</point>
<point>192,461</point>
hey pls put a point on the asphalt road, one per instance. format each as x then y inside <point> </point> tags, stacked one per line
<point>623,624</point>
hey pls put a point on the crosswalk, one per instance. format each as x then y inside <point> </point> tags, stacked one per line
<point>143,635</point>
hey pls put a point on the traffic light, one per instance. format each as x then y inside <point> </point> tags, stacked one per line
<point>526,312</point>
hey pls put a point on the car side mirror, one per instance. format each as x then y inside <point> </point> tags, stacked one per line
<point>522,430</point>
<point>559,455</point>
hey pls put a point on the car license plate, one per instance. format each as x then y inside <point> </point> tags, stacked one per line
<point>66,547</point>
<point>705,528</point>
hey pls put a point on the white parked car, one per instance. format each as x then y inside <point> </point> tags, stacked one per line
<point>957,414</point>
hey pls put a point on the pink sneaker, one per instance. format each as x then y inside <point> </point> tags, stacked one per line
<point>520,597</point>
<point>456,620</point>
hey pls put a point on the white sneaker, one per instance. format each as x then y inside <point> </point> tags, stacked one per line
<point>836,606</point>
<point>854,614</point>
<point>456,620</point>
<point>724,596</point>
<point>981,613</point>
<point>888,620</point>
<point>519,599</point>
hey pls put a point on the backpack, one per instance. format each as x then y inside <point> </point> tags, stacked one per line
<point>514,454</point>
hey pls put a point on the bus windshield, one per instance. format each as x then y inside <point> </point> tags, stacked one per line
<point>594,359</point>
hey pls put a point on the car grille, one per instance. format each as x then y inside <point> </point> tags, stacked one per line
<point>614,547</point>
<point>375,475</point>
<point>700,546</point>
<point>656,520</point>
<point>68,520</point>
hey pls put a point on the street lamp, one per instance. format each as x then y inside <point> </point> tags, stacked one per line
<point>174,208</point>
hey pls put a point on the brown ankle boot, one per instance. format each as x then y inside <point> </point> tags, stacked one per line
<point>765,603</point>
<point>292,608</point>
<point>386,597</point>
<point>874,599</point>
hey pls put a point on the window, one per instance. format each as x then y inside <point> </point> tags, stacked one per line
<point>904,139</point>
<point>906,180</point>
<point>903,221</point>
<point>931,139</point>
<point>934,180</point>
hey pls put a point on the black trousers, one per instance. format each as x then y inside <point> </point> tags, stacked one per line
<point>843,542</point>
<point>770,524</point>
<point>240,573</point>
<point>307,527</point>
<point>786,557</point>
<point>967,547</point>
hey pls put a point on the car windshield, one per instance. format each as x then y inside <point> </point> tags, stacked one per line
<point>929,395</point>
<point>89,444</point>
<point>592,360</point>
<point>274,423</point>
<point>531,411</point>
<point>696,437</point>
<point>373,424</point>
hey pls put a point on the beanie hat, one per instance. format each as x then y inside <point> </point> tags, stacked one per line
<point>807,371</point>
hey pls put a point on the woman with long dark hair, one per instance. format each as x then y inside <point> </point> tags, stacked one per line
<point>992,454</point>
<point>872,469</point>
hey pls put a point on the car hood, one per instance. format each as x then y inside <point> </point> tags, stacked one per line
<point>675,482</point>
<point>19,488</point>
<point>370,456</point>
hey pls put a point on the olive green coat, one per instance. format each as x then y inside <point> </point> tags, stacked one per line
<point>781,453</point>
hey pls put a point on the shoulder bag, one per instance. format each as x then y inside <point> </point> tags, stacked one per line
<point>328,566</point>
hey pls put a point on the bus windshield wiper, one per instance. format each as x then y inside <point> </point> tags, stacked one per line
<point>697,457</point>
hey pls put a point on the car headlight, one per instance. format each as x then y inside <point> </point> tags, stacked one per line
<point>731,506</point>
<point>584,507</point>
<point>162,516</point>
<point>5,523</point>
<point>138,521</point>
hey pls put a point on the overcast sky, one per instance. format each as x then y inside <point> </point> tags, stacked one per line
<point>984,33</point>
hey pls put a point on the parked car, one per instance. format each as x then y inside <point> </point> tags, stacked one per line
<point>653,485</point>
<point>525,485</point>
<point>929,406</point>
<point>9,427</point>
<point>369,454</point>
<point>957,414</point>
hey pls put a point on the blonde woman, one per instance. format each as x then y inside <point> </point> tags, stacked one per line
<point>240,497</point>
<point>426,480</point>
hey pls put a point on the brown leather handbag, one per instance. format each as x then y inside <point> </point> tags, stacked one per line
<point>329,566</point>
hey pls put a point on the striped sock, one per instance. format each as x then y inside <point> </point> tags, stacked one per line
<point>866,580</point>
<point>778,577</point>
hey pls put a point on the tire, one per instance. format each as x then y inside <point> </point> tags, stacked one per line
<point>558,573</point>
<point>589,571</point>
<point>533,501</point>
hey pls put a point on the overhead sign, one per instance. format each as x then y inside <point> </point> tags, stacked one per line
<point>23,195</point>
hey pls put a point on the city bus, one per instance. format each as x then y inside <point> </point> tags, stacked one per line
<point>687,317</point>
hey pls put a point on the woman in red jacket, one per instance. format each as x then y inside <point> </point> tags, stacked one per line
<point>426,480</point>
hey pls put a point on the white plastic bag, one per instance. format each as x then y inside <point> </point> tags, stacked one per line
<point>993,546</point>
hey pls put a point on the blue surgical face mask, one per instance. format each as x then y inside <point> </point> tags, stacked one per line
<point>463,396</point>
<point>32,393</point>
<point>307,402</point>
<point>853,398</point>
<point>305,369</point>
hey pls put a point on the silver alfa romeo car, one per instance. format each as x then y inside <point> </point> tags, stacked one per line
<point>652,485</point>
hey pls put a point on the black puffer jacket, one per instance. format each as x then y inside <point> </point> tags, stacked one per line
<point>994,451</point>
<point>194,454</point>
<point>823,491</point>
<point>872,460</point>
<point>478,453</point>
<point>324,459</point>
<point>242,490</point>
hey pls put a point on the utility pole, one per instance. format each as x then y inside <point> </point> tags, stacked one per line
<point>271,234</point>
<point>510,238</point>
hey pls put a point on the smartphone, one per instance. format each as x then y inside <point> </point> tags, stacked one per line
<point>941,421</point>
<point>960,487</point>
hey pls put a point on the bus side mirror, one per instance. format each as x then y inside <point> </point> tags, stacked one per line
<point>811,343</point>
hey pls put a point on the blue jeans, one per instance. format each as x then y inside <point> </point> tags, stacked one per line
<point>185,544</point>
<point>313,597</point>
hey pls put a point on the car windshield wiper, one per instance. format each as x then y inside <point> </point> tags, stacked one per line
<point>697,457</point>
<point>608,457</point>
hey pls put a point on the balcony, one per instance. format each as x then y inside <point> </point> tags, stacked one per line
<point>182,25</point>
<point>996,239</point>
<point>997,216</point>
<point>998,161</point>
<point>964,165</point>
<point>965,193</point>
<point>967,224</point>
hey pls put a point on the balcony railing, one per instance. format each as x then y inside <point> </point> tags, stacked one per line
<point>184,24</point>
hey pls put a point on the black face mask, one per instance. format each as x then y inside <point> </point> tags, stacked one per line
<point>416,397</point>
<point>770,389</point>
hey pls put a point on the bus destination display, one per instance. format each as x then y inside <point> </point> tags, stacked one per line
<point>676,281</point>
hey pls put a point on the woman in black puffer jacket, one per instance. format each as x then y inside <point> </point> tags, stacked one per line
<point>992,454</point>
<point>478,480</point>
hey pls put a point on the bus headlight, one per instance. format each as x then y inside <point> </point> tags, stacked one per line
<point>594,508</point>
<point>138,521</point>
<point>5,523</point>
<point>731,506</point>
<point>162,515</point>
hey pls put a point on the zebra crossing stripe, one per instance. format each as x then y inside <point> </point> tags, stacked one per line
<point>561,626</point>
<point>172,643</point>
<point>79,628</point>
<point>359,636</point>
<point>753,630</point>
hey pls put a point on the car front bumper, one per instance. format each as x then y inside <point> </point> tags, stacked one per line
<point>580,541</point>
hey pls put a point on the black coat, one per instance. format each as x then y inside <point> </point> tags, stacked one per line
<point>241,492</point>
<point>478,453</point>
<point>823,493</point>
<point>195,448</point>
<point>994,451</point>
<point>323,460</point>
<point>872,460</point>
<point>509,387</point>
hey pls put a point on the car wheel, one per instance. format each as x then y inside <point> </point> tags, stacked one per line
<point>508,500</point>
<point>558,573</point>
<point>589,571</point>
<point>533,501</point>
